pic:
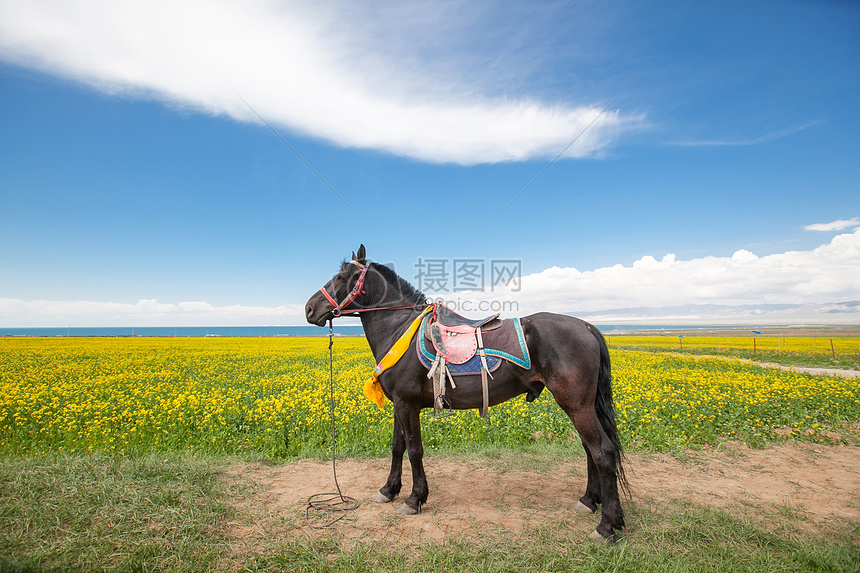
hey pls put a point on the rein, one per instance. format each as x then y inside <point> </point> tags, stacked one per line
<point>355,312</point>
<point>338,502</point>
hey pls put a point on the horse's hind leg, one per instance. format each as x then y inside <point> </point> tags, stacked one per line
<point>393,484</point>
<point>602,487</point>
<point>588,503</point>
<point>603,455</point>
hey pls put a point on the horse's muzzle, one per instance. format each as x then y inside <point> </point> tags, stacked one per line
<point>317,310</point>
<point>313,317</point>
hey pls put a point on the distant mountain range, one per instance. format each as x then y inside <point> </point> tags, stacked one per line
<point>717,314</point>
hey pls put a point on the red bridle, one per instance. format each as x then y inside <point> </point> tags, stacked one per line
<point>353,294</point>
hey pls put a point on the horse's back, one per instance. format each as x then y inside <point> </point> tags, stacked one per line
<point>561,328</point>
<point>559,343</point>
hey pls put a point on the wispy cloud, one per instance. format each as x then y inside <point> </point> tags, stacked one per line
<point>837,225</point>
<point>323,70</point>
<point>767,138</point>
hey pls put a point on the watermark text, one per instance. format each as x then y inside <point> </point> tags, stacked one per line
<point>459,275</point>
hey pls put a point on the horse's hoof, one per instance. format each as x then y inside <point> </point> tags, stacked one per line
<point>582,508</point>
<point>379,498</point>
<point>598,538</point>
<point>406,510</point>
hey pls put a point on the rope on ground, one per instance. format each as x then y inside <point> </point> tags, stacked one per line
<point>324,504</point>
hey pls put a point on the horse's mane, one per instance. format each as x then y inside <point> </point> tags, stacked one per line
<point>410,294</point>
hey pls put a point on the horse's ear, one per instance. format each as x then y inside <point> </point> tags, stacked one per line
<point>362,254</point>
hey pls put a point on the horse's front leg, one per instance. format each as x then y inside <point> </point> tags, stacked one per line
<point>410,423</point>
<point>393,484</point>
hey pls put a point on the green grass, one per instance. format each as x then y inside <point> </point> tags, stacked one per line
<point>98,512</point>
<point>698,540</point>
<point>109,513</point>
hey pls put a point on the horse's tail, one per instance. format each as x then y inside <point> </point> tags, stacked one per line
<point>606,410</point>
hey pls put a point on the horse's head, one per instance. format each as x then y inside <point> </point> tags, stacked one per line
<point>340,292</point>
<point>360,286</point>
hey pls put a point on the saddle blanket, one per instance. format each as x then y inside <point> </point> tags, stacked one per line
<point>504,343</point>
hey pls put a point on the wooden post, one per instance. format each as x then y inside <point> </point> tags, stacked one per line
<point>832,351</point>
<point>753,344</point>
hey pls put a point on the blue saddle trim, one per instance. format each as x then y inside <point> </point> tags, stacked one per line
<point>473,365</point>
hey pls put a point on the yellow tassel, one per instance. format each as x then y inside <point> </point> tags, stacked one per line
<point>372,387</point>
<point>373,391</point>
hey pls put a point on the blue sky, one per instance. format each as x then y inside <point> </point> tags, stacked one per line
<point>136,187</point>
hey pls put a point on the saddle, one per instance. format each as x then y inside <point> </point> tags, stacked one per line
<point>454,336</point>
<point>447,317</point>
<point>459,342</point>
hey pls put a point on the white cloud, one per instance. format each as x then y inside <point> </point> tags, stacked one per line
<point>837,225</point>
<point>323,70</point>
<point>829,273</point>
<point>146,312</point>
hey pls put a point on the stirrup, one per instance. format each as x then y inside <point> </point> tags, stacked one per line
<point>438,372</point>
<point>439,410</point>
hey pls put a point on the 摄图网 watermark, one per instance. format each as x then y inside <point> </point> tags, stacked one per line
<point>459,275</point>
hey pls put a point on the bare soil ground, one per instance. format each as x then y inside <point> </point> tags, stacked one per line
<point>472,496</point>
<point>814,370</point>
<point>838,372</point>
<point>834,330</point>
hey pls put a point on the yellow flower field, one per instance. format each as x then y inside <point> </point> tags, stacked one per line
<point>674,400</point>
<point>270,395</point>
<point>807,346</point>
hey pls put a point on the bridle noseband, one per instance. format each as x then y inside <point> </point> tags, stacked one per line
<point>353,294</point>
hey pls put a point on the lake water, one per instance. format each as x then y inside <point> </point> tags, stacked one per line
<point>264,331</point>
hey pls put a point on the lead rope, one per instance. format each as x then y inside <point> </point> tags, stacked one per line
<point>330,502</point>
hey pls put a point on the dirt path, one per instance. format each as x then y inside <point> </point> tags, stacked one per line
<point>815,371</point>
<point>838,372</point>
<point>471,496</point>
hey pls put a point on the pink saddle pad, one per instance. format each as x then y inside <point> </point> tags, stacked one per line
<point>460,343</point>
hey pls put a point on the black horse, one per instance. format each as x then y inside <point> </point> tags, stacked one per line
<point>569,357</point>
